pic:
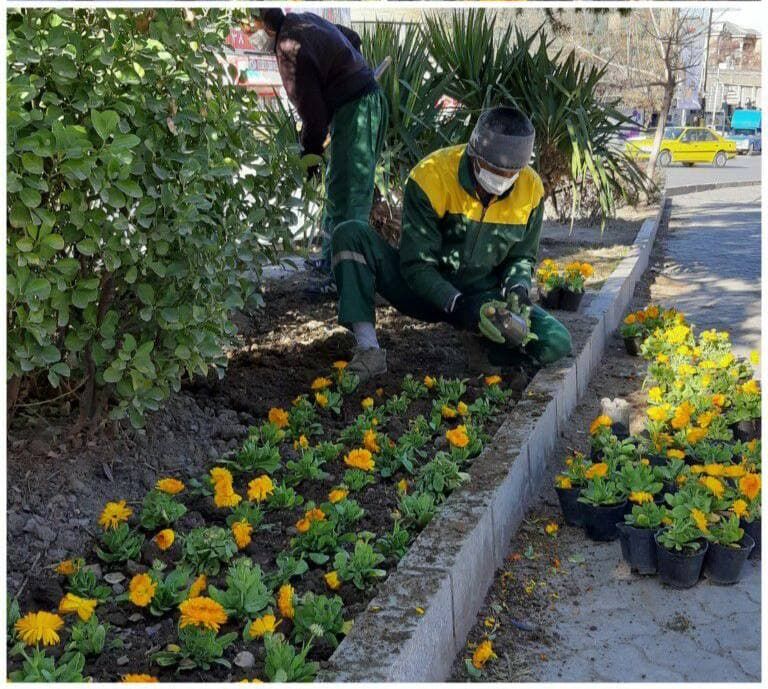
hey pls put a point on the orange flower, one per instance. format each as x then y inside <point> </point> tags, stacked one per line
<point>492,380</point>
<point>68,567</point>
<point>285,601</point>
<point>321,383</point>
<point>164,539</point>
<point>172,486</point>
<point>337,495</point>
<point>602,421</point>
<point>114,514</point>
<point>458,436</point>
<point>598,470</point>
<point>260,488</point>
<point>241,532</point>
<point>370,441</point>
<point>749,485</point>
<point>202,612</point>
<point>360,459</point>
<point>279,417</point>
<point>198,586</point>
<point>141,590</point>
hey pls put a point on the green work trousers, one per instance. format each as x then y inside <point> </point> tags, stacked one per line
<point>364,263</point>
<point>357,138</point>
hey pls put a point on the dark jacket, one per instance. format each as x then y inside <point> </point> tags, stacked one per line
<point>322,68</point>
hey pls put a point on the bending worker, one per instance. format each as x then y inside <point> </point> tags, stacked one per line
<point>472,218</point>
<point>334,92</point>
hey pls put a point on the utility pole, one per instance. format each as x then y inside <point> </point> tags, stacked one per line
<point>706,64</point>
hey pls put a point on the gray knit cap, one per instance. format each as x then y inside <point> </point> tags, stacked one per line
<point>503,137</point>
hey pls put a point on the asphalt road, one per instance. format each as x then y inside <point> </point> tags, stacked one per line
<point>739,169</point>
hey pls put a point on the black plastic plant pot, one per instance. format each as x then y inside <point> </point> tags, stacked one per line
<point>753,529</point>
<point>747,430</point>
<point>632,345</point>
<point>724,565</point>
<point>669,487</point>
<point>600,520</point>
<point>570,505</point>
<point>657,460</point>
<point>638,548</point>
<point>595,454</point>
<point>679,570</point>
<point>619,430</point>
<point>569,300</point>
<point>551,299</point>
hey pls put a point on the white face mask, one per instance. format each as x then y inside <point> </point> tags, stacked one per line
<point>493,183</point>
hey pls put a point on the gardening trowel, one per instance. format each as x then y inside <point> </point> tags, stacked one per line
<point>506,322</point>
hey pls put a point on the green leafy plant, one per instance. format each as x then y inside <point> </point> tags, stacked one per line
<point>197,648</point>
<point>727,532</point>
<point>440,476</point>
<point>309,467</point>
<point>649,515</point>
<point>246,593</point>
<point>319,542</point>
<point>87,638</point>
<point>83,583</point>
<point>639,478</point>
<point>361,566</point>
<point>288,567</point>
<point>346,513</point>
<point>395,543</point>
<point>413,388</point>
<point>39,667</point>
<point>357,479</point>
<point>256,456</point>
<point>319,617</point>
<point>250,512</point>
<point>602,491</point>
<point>284,498</point>
<point>417,510</point>
<point>171,588</point>
<point>120,544</point>
<point>681,535</point>
<point>206,548</point>
<point>160,509</point>
<point>283,663</point>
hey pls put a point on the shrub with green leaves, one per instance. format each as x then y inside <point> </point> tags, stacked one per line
<point>417,510</point>
<point>39,667</point>
<point>206,548</point>
<point>314,614</point>
<point>197,648</point>
<point>283,663</point>
<point>361,567</point>
<point>87,638</point>
<point>120,544</point>
<point>395,543</point>
<point>84,583</point>
<point>143,188</point>
<point>160,509</point>
<point>246,594</point>
<point>256,456</point>
<point>440,476</point>
<point>171,590</point>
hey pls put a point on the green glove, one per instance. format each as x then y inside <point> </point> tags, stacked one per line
<point>490,320</point>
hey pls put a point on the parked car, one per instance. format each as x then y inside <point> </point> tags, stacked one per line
<point>746,131</point>
<point>687,145</point>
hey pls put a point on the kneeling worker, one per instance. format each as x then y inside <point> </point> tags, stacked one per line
<point>472,219</point>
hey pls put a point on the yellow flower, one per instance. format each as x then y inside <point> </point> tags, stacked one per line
<point>655,394</point>
<point>734,471</point>
<point>700,519</point>
<point>652,311</point>
<point>402,486</point>
<point>172,486</point>
<point>492,380</point>
<point>686,370</point>
<point>202,612</point>
<point>658,413</point>
<point>321,400</point>
<point>462,408</point>
<point>726,360</point>
<point>587,271</point>
<point>429,381</point>
<point>114,514</point>
<point>563,481</point>
<point>718,399</point>
<point>367,403</point>
<point>458,436</point>
<point>302,443</point>
<point>321,383</point>
<point>602,421</point>
<point>285,601</point>
<point>630,319</point>
<point>68,567</point>
<point>483,653</point>
<point>551,528</point>
<point>141,590</point>
<point>39,627</point>
<point>640,496</point>
<point>713,470</point>
<point>740,507</point>
<point>241,531</point>
<point>449,412</point>
<point>337,495</point>
<point>754,357</point>
<point>749,485</point>
<point>713,485</point>
<point>694,435</point>
<point>340,365</point>
<point>278,417</point>
<point>198,586</point>
<point>683,350</point>
<point>84,607</point>
<point>303,524</point>
<point>138,679</point>
<point>332,580</point>
<point>225,496</point>
<point>662,358</point>
<point>260,488</point>
<point>360,459</point>
<point>598,470</point>
<point>682,415</point>
<point>266,624</point>
<point>705,418</point>
<point>751,387</point>
<point>370,441</point>
<point>164,539</point>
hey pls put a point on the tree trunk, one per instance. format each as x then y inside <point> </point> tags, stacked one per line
<point>666,104</point>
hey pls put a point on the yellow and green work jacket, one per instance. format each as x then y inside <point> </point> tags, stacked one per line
<point>451,243</point>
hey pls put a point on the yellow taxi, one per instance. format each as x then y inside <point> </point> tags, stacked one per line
<point>687,145</point>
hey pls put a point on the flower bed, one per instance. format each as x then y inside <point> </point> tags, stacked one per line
<point>263,562</point>
<point>683,496</point>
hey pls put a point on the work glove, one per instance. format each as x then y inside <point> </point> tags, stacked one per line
<point>521,291</point>
<point>465,313</point>
<point>500,323</point>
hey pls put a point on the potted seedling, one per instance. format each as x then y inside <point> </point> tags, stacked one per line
<point>551,283</point>
<point>745,414</point>
<point>568,487</point>
<point>603,501</point>
<point>729,548</point>
<point>680,549</point>
<point>636,535</point>
<point>640,483</point>
<point>573,289</point>
<point>633,332</point>
<point>751,523</point>
<point>669,474</point>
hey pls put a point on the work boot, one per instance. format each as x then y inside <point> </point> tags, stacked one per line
<point>476,351</point>
<point>368,363</point>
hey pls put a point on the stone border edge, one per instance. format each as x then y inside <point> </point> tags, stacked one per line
<point>695,188</point>
<point>419,620</point>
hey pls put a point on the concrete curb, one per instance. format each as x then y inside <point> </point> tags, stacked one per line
<point>413,629</point>
<point>694,188</point>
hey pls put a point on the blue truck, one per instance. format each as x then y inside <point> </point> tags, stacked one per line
<point>745,131</point>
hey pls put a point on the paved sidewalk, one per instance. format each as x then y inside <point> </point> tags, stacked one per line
<point>711,269</point>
